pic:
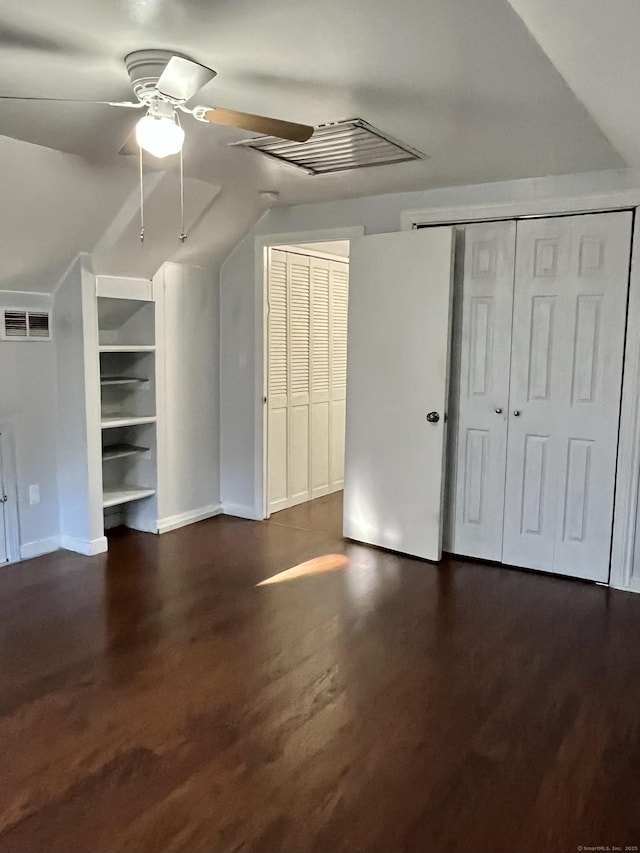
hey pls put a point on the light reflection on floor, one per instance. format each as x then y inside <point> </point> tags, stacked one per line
<point>326,563</point>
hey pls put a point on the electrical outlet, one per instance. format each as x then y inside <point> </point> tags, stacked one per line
<point>34,494</point>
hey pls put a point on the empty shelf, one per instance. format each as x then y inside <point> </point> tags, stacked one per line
<point>124,495</point>
<point>123,380</point>
<point>111,421</point>
<point>119,451</point>
<point>125,348</point>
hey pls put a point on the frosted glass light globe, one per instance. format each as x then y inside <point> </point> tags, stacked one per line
<point>159,135</point>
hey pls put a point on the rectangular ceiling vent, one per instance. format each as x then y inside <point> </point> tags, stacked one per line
<point>22,325</point>
<point>352,144</point>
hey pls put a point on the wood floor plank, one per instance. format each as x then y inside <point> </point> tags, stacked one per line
<point>159,699</point>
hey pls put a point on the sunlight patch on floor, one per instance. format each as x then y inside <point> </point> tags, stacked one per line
<point>326,563</point>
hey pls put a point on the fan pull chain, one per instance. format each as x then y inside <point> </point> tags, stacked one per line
<point>141,198</point>
<point>182,236</point>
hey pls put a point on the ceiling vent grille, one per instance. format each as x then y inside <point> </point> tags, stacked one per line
<point>21,325</point>
<point>352,144</point>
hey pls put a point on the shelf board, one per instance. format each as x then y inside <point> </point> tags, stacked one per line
<point>124,495</point>
<point>125,348</point>
<point>125,420</point>
<point>119,451</point>
<point>123,380</point>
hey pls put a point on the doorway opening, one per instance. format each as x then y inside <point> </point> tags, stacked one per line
<point>305,381</point>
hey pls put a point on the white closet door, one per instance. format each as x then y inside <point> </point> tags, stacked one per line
<point>339,291</point>
<point>299,281</point>
<point>568,338</point>
<point>398,360</point>
<point>483,391</point>
<point>277,383</point>
<point>320,379</point>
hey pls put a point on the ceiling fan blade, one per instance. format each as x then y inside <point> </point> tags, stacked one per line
<point>136,106</point>
<point>182,78</point>
<point>259,124</point>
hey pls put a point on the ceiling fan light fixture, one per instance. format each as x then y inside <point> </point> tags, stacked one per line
<point>159,135</point>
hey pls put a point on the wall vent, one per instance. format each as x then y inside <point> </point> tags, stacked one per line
<point>22,325</point>
<point>337,147</point>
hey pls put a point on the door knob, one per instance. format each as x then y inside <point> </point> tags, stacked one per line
<point>516,414</point>
<point>498,411</point>
<point>433,417</point>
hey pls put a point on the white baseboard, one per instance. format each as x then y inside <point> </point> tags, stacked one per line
<point>173,522</point>
<point>41,546</point>
<point>82,546</point>
<point>633,587</point>
<point>241,511</point>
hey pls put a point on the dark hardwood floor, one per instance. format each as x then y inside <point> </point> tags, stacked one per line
<point>156,699</point>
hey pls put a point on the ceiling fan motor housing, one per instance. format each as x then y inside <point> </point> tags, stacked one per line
<point>145,68</point>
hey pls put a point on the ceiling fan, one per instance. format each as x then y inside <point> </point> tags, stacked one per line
<point>162,83</point>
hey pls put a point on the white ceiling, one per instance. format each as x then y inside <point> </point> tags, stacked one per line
<point>464,82</point>
<point>594,45</point>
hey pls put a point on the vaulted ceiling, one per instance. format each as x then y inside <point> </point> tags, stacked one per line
<point>487,94</point>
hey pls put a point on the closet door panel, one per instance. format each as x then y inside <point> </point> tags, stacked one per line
<point>339,290</point>
<point>485,335</point>
<point>320,379</point>
<point>568,336</point>
<point>278,383</point>
<point>539,352</point>
<point>338,421</point>
<point>299,315</point>
<point>278,450</point>
<point>591,389</point>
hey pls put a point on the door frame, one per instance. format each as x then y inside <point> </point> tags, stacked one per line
<point>627,483</point>
<point>262,245</point>
<point>10,480</point>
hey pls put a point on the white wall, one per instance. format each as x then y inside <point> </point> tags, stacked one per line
<point>240,439</point>
<point>28,404</point>
<point>79,477</point>
<point>189,434</point>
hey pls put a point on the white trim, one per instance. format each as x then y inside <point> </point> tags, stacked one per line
<point>182,519</point>
<point>261,244</point>
<point>40,547</point>
<point>240,511</point>
<point>549,206</point>
<point>82,546</point>
<point>625,514</point>
<point>311,253</point>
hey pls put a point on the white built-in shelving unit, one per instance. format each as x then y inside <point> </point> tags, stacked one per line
<point>128,415</point>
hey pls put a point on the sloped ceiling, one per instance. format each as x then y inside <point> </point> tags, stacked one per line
<point>594,46</point>
<point>462,81</point>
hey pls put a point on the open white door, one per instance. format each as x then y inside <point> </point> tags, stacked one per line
<point>398,358</point>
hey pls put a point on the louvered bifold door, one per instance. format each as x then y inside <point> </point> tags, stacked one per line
<point>277,383</point>
<point>338,303</point>
<point>320,380</point>
<point>299,304</point>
